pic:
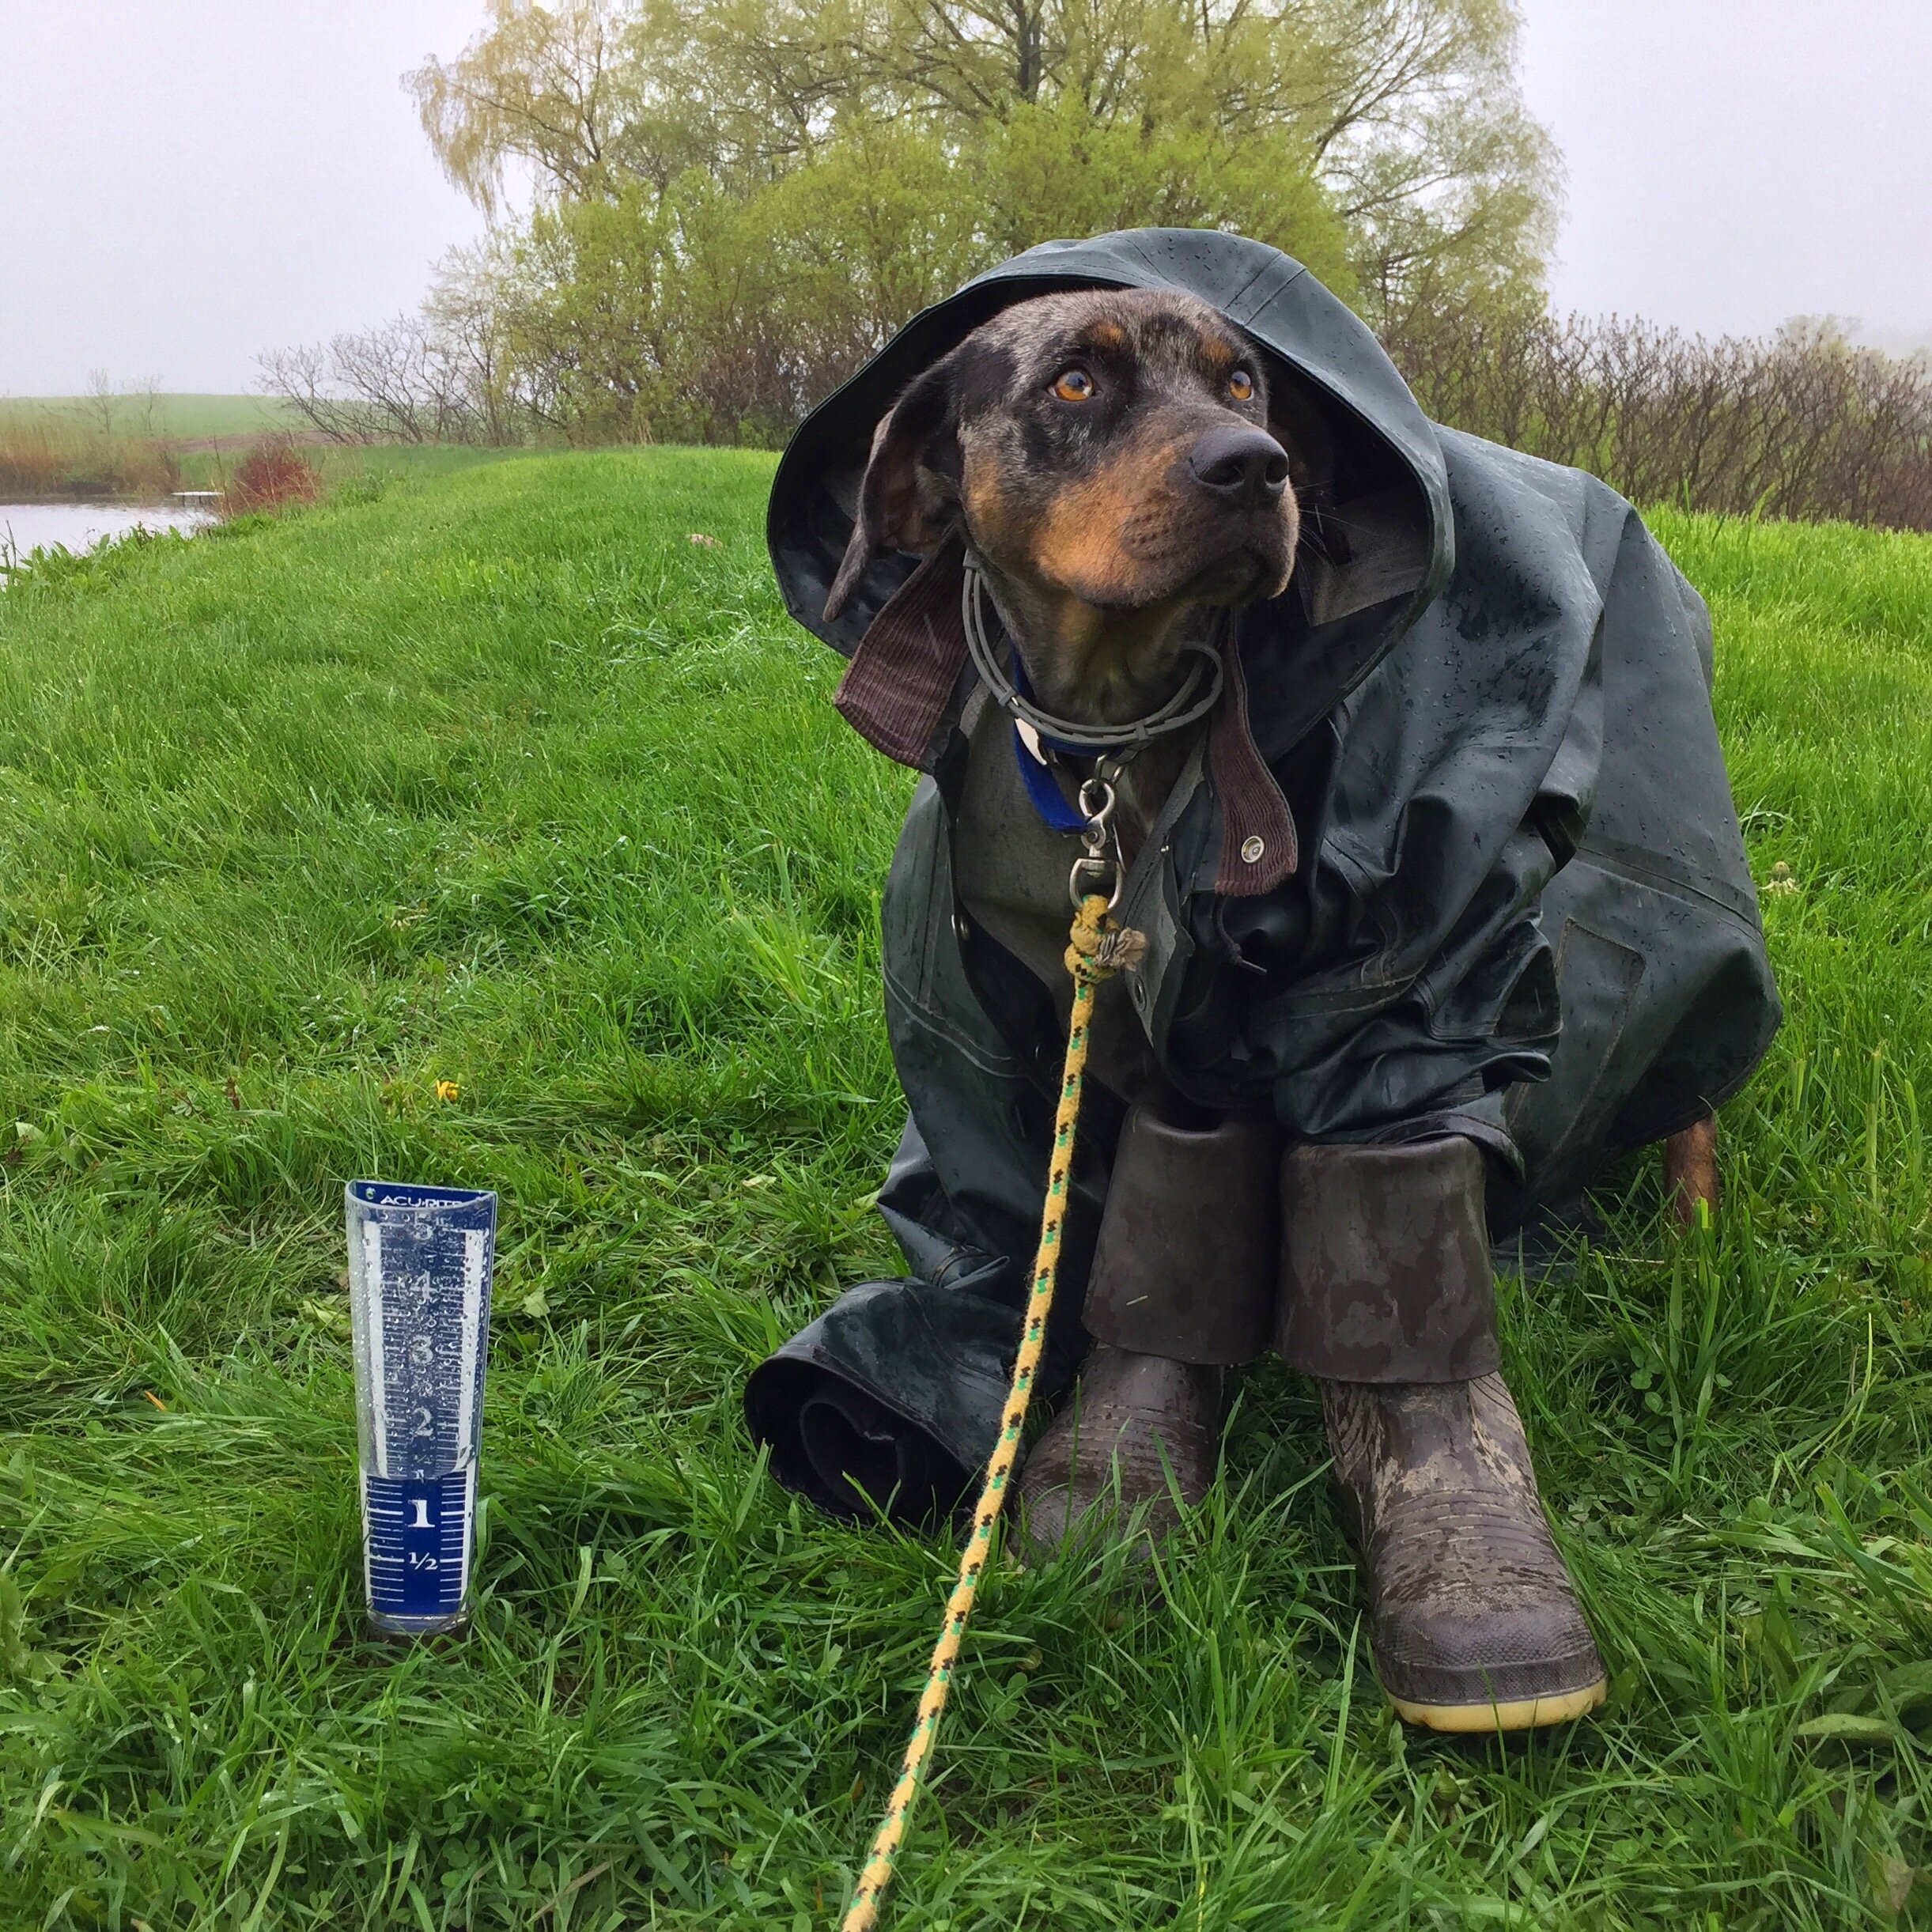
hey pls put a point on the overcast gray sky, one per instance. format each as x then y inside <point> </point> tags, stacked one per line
<point>184,183</point>
<point>1733,162</point>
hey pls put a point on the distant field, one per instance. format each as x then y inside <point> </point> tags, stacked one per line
<point>496,779</point>
<point>178,417</point>
<point>337,463</point>
<point>56,447</point>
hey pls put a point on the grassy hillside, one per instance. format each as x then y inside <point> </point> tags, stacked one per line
<point>497,779</point>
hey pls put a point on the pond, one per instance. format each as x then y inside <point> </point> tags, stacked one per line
<point>25,526</point>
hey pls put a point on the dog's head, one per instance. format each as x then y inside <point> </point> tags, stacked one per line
<point>1111,457</point>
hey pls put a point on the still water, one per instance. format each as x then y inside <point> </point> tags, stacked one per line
<point>25,526</point>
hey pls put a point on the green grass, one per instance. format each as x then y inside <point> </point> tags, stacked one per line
<point>362,465</point>
<point>495,778</point>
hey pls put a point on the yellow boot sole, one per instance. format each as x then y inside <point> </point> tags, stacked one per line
<point>1521,1713</point>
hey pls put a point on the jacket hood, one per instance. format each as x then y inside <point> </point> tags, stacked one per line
<point>1377,544</point>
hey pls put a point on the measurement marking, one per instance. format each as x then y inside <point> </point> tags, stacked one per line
<point>369,1545</point>
<point>467,1526</point>
<point>378,1369</point>
<point>475,1262</point>
<point>410,1574</point>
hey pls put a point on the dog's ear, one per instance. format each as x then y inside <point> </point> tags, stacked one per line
<point>910,495</point>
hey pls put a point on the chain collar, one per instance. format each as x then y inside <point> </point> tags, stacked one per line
<point>1198,695</point>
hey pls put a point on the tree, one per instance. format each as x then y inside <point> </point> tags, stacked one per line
<point>551,85</point>
<point>1447,186</point>
<point>737,200</point>
<point>1403,114</point>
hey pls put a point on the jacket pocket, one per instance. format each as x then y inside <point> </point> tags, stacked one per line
<point>920,938</point>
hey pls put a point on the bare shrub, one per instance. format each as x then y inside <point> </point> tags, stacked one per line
<point>274,475</point>
<point>442,376</point>
<point>304,377</point>
<point>1803,425</point>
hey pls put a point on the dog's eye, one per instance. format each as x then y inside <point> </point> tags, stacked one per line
<point>1241,387</point>
<point>1074,385</point>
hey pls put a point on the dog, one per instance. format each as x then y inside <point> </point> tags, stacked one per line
<point>1399,737</point>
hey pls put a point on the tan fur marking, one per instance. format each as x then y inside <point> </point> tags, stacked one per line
<point>987,513</point>
<point>1078,541</point>
<point>1112,537</point>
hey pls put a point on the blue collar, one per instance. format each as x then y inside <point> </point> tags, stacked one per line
<point>1038,775</point>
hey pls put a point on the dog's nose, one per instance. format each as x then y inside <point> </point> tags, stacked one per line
<point>1240,464</point>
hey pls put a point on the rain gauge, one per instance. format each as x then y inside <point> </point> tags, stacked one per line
<point>419,1270</point>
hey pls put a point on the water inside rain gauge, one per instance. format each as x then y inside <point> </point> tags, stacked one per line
<point>420,1260</point>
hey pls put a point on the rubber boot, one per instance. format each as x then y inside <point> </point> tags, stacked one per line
<point>1387,1300</point>
<point>1182,1289</point>
<point>1141,1434</point>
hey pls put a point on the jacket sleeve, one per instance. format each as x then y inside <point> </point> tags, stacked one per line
<point>1463,776</point>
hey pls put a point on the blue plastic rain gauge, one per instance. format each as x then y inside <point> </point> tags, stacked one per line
<point>419,1269</point>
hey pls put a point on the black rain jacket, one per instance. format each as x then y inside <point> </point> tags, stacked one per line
<point>1522,908</point>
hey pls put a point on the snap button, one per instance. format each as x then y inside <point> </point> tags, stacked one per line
<point>1252,846</point>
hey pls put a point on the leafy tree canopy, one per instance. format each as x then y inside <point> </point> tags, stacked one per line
<point>739,199</point>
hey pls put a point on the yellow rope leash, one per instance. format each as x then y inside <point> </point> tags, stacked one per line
<point>1094,952</point>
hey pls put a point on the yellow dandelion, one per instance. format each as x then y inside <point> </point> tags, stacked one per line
<point>446,1090</point>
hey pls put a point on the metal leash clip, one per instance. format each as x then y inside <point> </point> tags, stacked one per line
<point>1097,801</point>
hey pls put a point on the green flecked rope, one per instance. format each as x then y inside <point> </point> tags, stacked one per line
<point>1092,956</point>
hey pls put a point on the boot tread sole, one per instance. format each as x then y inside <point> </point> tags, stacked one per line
<point>1519,1713</point>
